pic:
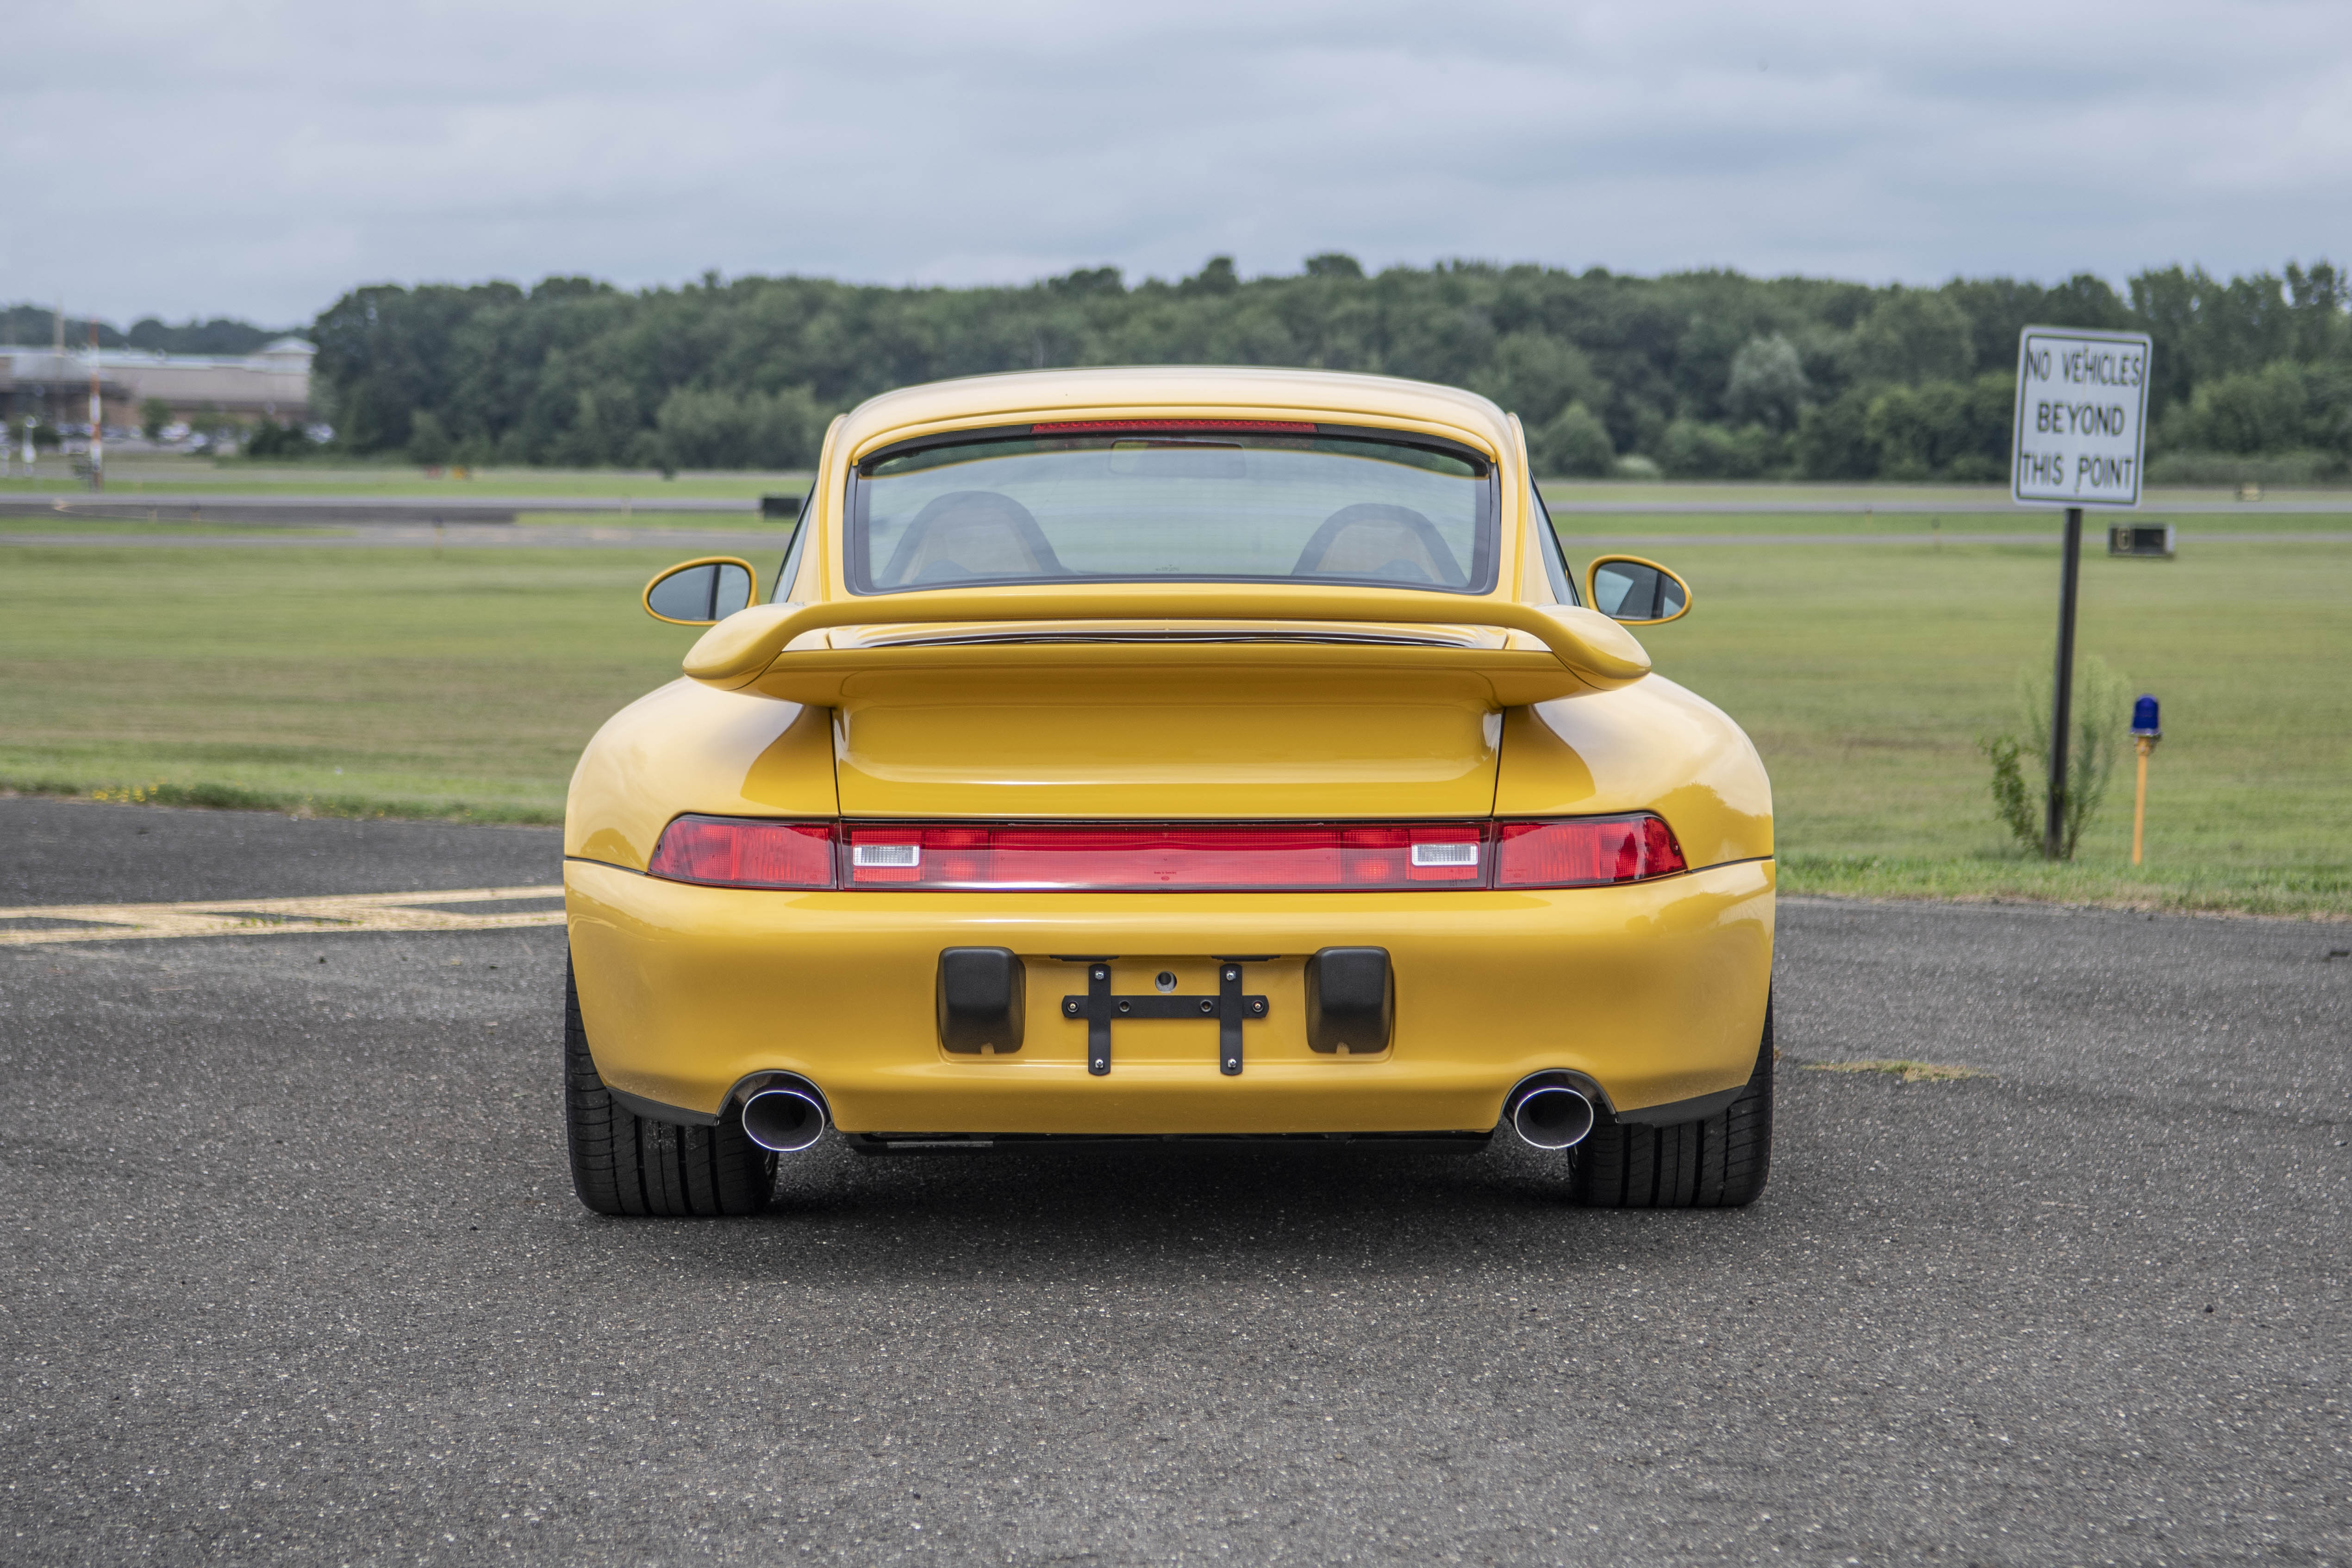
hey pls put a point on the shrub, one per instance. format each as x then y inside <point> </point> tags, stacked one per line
<point>1695,450</point>
<point>1576,445</point>
<point>2281,407</point>
<point>1768,384</point>
<point>271,439</point>
<point>715,429</point>
<point>1943,429</point>
<point>2012,804</point>
<point>1915,335</point>
<point>1537,376</point>
<point>2100,718</point>
<point>428,439</point>
<point>1830,443</point>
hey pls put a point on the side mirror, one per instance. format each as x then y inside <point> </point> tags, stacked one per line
<point>701,593</point>
<point>1637,592</point>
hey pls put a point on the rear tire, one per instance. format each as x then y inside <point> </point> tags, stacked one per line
<point>1718,1162</point>
<point>623,1163</point>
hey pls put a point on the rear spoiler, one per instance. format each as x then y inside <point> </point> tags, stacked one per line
<point>751,649</point>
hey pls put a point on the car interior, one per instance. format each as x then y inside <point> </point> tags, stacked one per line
<point>984,534</point>
<point>1374,539</point>
<point>971,533</point>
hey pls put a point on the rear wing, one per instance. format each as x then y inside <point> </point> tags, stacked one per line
<point>1580,650</point>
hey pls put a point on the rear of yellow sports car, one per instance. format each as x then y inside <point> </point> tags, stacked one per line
<point>1151,754</point>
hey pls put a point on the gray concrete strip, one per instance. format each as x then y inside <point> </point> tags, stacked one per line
<point>296,1276</point>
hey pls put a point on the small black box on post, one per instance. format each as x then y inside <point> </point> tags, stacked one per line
<point>1350,1000</point>
<point>982,997</point>
<point>780,509</point>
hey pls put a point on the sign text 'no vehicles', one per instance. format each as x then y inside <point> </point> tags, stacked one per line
<point>2082,411</point>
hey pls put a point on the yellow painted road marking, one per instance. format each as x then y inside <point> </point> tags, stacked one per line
<point>442,910</point>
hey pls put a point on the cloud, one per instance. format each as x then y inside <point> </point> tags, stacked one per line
<point>262,158</point>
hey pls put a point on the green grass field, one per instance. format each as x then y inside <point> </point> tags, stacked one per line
<point>1865,676</point>
<point>363,679</point>
<point>393,680</point>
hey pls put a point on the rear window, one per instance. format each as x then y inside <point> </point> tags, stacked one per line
<point>1197,500</point>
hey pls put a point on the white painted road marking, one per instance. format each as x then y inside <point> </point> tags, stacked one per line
<point>336,912</point>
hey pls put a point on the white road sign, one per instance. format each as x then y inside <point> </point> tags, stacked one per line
<point>2082,417</point>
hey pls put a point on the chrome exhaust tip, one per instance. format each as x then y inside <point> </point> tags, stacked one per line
<point>1551,1116</point>
<point>785,1121</point>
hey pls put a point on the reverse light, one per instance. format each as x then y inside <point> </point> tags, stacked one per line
<point>1583,852</point>
<point>745,852</point>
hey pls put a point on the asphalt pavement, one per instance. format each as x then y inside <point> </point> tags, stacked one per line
<point>296,1276</point>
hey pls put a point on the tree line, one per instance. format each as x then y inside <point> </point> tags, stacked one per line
<point>36,326</point>
<point>1699,374</point>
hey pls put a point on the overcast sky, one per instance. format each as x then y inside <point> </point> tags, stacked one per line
<point>185,157</point>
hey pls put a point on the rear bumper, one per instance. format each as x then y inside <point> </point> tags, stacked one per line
<point>1655,991</point>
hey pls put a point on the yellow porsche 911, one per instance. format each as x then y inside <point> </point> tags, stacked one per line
<point>1169,754</point>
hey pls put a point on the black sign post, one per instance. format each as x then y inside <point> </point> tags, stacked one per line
<point>2062,690</point>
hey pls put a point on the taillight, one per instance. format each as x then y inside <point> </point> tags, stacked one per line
<point>745,852</point>
<point>1583,852</point>
<point>752,852</point>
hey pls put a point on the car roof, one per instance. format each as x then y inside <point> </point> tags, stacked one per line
<point>1176,392</point>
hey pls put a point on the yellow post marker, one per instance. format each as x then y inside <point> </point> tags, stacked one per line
<point>2146,734</point>
<point>2139,800</point>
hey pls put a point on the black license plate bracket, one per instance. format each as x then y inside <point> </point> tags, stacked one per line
<point>1229,1009</point>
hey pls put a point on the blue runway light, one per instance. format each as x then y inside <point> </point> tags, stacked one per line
<point>2144,718</point>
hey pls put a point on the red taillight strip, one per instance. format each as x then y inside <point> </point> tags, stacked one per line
<point>1344,856</point>
<point>1141,426</point>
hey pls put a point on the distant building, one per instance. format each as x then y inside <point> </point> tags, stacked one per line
<point>54,387</point>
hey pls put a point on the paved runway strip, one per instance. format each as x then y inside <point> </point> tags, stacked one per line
<point>295,1276</point>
